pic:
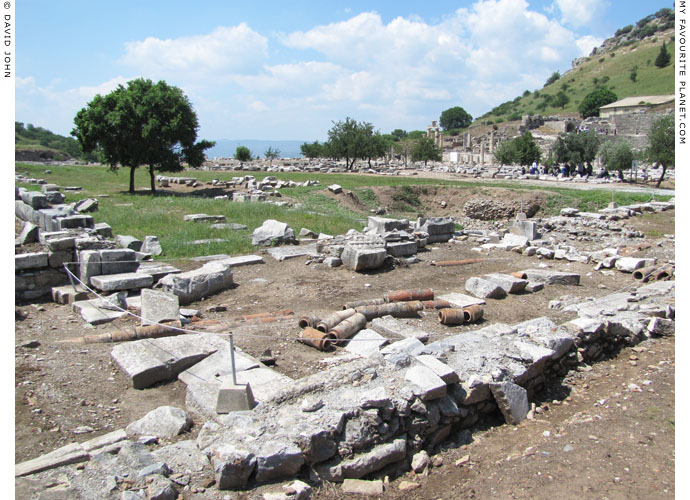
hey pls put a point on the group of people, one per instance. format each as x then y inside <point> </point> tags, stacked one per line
<point>584,171</point>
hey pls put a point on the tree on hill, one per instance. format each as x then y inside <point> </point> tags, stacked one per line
<point>555,76</point>
<point>271,154</point>
<point>455,117</point>
<point>662,145</point>
<point>142,124</point>
<point>425,149</point>
<point>600,96</point>
<point>616,155</point>
<point>243,154</point>
<point>663,59</point>
<point>560,100</point>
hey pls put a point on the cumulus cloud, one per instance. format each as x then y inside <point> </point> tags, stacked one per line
<point>580,12</point>
<point>225,49</point>
<point>587,43</point>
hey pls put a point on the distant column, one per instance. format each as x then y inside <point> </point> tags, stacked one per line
<point>481,153</point>
<point>491,142</point>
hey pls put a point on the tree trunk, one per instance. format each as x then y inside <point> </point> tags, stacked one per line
<point>131,179</point>
<point>663,172</point>
<point>152,174</point>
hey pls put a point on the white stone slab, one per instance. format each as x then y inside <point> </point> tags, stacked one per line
<point>461,300</point>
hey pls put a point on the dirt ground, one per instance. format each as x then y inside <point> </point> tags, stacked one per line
<point>596,437</point>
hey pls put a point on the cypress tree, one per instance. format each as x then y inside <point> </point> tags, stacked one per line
<point>663,59</point>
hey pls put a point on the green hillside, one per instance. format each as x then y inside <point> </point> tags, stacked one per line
<point>611,67</point>
<point>30,138</point>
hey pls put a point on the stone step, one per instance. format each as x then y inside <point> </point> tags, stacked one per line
<point>123,281</point>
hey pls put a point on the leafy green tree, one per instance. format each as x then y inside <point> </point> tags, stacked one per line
<point>350,139</point>
<point>313,150</point>
<point>425,149</point>
<point>504,154</point>
<point>575,149</point>
<point>555,76</point>
<point>399,134</point>
<point>662,145</point>
<point>271,154</point>
<point>633,74</point>
<point>560,100</point>
<point>243,154</point>
<point>142,124</point>
<point>526,149</point>
<point>455,117</point>
<point>416,134</point>
<point>404,147</point>
<point>616,155</point>
<point>600,96</point>
<point>664,58</point>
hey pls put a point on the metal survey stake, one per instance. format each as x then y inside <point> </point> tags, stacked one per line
<point>232,359</point>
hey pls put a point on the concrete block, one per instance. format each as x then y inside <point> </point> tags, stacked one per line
<point>410,345</point>
<point>382,225</point>
<point>75,222</point>
<point>61,243</point>
<point>629,264</point>
<point>233,397</point>
<point>35,199</point>
<point>273,232</point>
<point>92,312</point>
<point>29,234</point>
<point>129,242</point>
<point>525,228</point>
<point>103,229</point>
<point>58,258</point>
<point>402,248</point>
<point>361,258</point>
<point>152,245</point>
<point>193,285</point>
<point>123,281</point>
<point>68,295</point>
<point>163,422</point>
<point>89,265</point>
<point>158,306</point>
<point>362,487</point>
<point>461,300</point>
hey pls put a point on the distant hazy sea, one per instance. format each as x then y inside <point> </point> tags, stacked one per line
<point>226,148</point>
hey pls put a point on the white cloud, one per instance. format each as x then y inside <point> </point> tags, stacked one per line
<point>579,13</point>
<point>587,43</point>
<point>225,49</point>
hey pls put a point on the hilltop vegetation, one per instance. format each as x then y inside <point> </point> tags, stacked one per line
<point>30,138</point>
<point>625,64</point>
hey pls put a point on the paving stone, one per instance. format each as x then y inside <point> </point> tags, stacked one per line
<point>445,372</point>
<point>427,384</point>
<point>92,313</point>
<point>362,487</point>
<point>282,253</point>
<point>551,277</point>
<point>158,306</point>
<point>148,361</point>
<point>265,383</point>
<point>460,300</point>
<point>70,454</point>
<point>388,325</point>
<point>124,281</point>
<point>365,343</point>
<point>512,401</point>
<point>218,365</point>
<point>484,288</point>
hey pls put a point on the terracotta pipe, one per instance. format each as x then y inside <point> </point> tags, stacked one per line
<point>348,327</point>
<point>315,338</point>
<point>436,304</point>
<point>282,312</point>
<point>327,324</point>
<point>358,303</point>
<point>308,321</point>
<point>519,275</point>
<point>409,295</point>
<point>395,309</point>
<point>473,313</point>
<point>645,274</point>
<point>140,332</point>
<point>448,263</point>
<point>451,316</point>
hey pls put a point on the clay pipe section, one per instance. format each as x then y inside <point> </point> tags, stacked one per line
<point>359,303</point>
<point>310,321</point>
<point>519,275</point>
<point>473,313</point>
<point>451,316</point>
<point>396,309</point>
<point>169,329</point>
<point>348,327</point>
<point>436,304</point>
<point>327,324</point>
<point>409,295</point>
<point>312,337</point>
<point>650,273</point>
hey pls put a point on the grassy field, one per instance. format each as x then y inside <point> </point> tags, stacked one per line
<point>143,214</point>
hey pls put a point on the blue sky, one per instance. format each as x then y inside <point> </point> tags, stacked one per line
<point>286,70</point>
